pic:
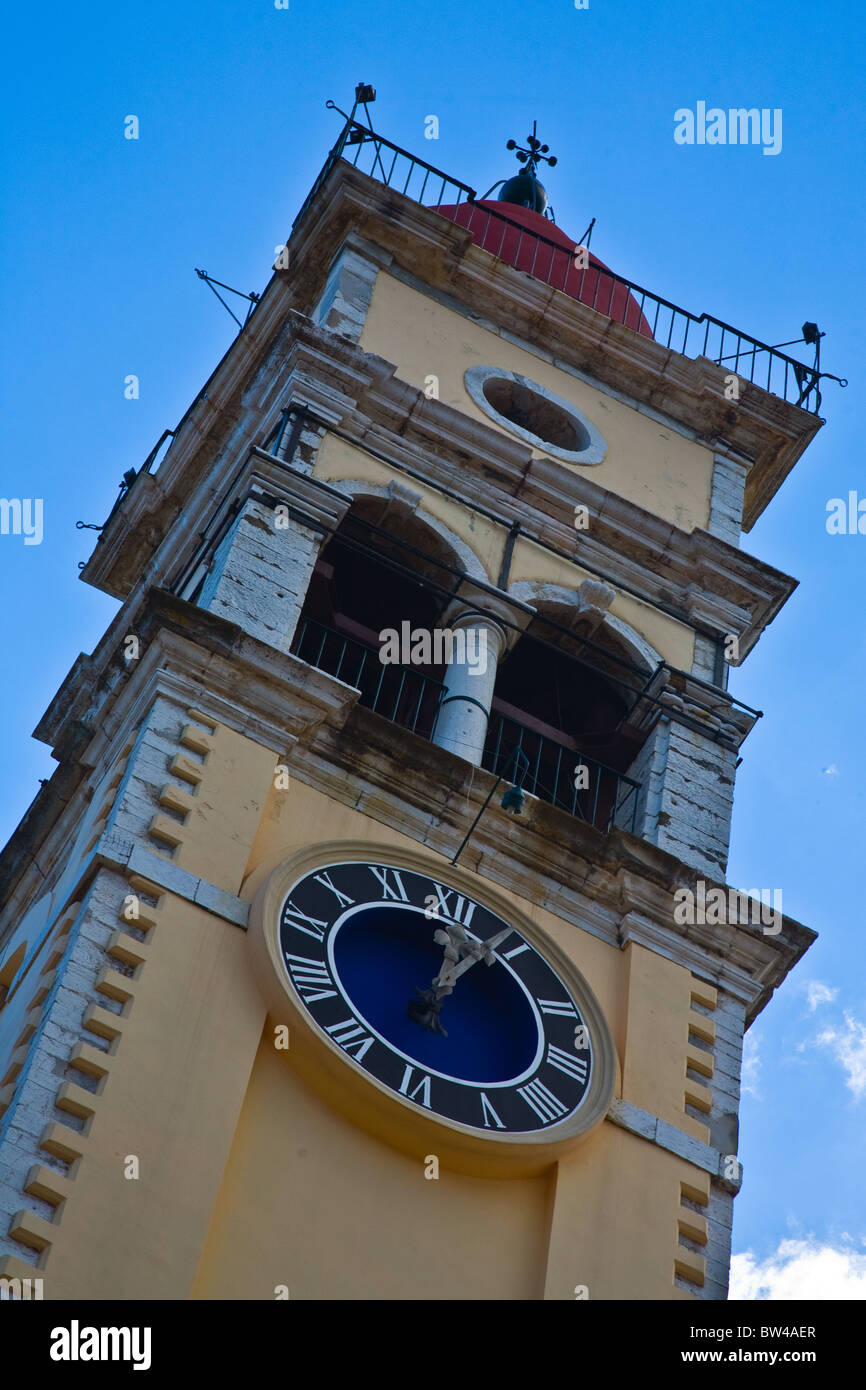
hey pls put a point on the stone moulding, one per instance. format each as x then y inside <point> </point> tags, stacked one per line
<point>762,427</point>
<point>595,447</point>
<point>428,441</point>
<point>361,759</point>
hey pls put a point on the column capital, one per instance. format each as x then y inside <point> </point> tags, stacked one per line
<point>496,609</point>
<point>459,616</point>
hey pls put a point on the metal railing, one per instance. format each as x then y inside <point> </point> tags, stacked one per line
<point>599,795</point>
<point>624,301</point>
<point>399,693</point>
<point>410,699</point>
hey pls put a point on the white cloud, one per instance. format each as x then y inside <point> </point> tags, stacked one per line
<point>818,993</point>
<point>831,771</point>
<point>804,1269</point>
<point>848,1046</point>
<point>751,1066</point>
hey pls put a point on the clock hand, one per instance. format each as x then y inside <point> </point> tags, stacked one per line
<point>456,942</point>
<point>428,1006</point>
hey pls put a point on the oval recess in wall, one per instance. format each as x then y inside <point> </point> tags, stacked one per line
<point>536,415</point>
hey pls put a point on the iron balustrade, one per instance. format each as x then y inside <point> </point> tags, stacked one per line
<point>621,300</point>
<point>609,798</point>
<point>400,693</point>
<point>624,301</point>
<point>410,699</point>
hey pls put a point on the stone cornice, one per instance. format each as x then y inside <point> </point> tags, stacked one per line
<point>761,428</point>
<point>628,545</point>
<point>114,852</point>
<point>150,505</point>
<point>698,578</point>
<point>616,886</point>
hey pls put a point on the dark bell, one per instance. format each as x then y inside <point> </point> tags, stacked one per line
<point>524,191</point>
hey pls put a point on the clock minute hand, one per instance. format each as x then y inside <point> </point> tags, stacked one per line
<point>426,1009</point>
<point>457,943</point>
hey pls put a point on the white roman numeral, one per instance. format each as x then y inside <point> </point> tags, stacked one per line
<point>388,891</point>
<point>310,975</point>
<point>350,1034</point>
<point>555,1006</point>
<point>463,908</point>
<point>325,880</point>
<point>487,1110</point>
<point>423,1086</point>
<point>515,951</point>
<point>565,1061</point>
<point>315,929</point>
<point>542,1101</point>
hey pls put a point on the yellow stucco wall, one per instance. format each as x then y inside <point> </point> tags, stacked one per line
<point>174,1090</point>
<point>249,1179</point>
<point>646,461</point>
<point>674,641</point>
<point>312,1202</point>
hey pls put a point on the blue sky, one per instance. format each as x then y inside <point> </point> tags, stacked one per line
<point>101,238</point>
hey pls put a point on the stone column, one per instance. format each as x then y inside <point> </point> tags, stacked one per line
<point>461,725</point>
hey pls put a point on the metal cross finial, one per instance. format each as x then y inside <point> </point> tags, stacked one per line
<point>534,153</point>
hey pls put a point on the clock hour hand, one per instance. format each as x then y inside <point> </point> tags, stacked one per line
<point>458,944</point>
<point>460,954</point>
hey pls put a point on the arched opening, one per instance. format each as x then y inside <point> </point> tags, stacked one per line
<point>384,570</point>
<point>565,700</point>
<point>569,693</point>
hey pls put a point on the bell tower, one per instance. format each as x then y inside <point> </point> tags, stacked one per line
<point>372,937</point>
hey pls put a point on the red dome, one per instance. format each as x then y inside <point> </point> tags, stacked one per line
<point>526,250</point>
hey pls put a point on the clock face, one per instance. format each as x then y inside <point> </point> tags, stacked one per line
<point>435,997</point>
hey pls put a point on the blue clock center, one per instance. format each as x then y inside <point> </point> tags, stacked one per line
<point>381,954</point>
